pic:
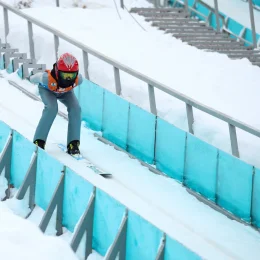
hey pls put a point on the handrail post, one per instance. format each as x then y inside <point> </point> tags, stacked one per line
<point>217,15</point>
<point>186,5</point>
<point>58,3</point>
<point>190,117</point>
<point>233,140</point>
<point>6,24</point>
<point>31,43</point>
<point>56,44</point>
<point>252,22</point>
<point>122,4</point>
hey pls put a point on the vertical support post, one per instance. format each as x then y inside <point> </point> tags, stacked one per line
<point>252,22</point>
<point>152,99</point>
<point>86,64</point>
<point>119,244</point>
<point>31,42</point>
<point>29,182</point>
<point>117,81</point>
<point>190,117</point>
<point>85,226</point>
<point>160,254</point>
<point>57,3</point>
<point>56,44</point>
<point>5,163</point>
<point>233,140</point>
<point>6,21</point>
<point>56,201</point>
<point>122,4</point>
<point>186,5</point>
<point>217,15</point>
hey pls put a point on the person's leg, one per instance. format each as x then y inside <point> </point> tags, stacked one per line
<point>74,115</point>
<point>48,115</point>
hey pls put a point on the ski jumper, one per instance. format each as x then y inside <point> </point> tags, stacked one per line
<point>50,93</point>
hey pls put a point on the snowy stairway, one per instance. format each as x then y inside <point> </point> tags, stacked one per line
<point>178,22</point>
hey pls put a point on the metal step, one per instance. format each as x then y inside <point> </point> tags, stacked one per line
<point>200,37</point>
<point>214,41</point>
<point>173,22</point>
<point>170,19</point>
<point>216,47</point>
<point>162,10</point>
<point>195,33</point>
<point>185,28</point>
<point>169,15</point>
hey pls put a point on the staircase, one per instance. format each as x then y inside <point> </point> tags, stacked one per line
<point>178,22</point>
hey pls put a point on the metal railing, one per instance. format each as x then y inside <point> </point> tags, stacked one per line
<point>151,83</point>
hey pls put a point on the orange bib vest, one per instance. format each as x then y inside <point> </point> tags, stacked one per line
<point>53,85</point>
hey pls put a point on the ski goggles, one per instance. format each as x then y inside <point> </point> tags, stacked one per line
<point>68,75</point>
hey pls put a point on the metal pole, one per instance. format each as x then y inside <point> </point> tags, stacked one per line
<point>186,5</point>
<point>152,99</point>
<point>233,140</point>
<point>117,81</point>
<point>190,117</point>
<point>57,3</point>
<point>86,64</point>
<point>252,22</point>
<point>6,24</point>
<point>122,4</point>
<point>31,43</point>
<point>217,15</point>
<point>56,44</point>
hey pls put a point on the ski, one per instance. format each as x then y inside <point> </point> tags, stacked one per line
<point>89,164</point>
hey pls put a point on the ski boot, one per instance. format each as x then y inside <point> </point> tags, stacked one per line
<point>73,148</point>
<point>40,143</point>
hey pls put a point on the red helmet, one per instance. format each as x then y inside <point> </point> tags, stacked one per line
<point>67,62</point>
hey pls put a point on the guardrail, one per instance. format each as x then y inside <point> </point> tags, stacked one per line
<point>151,83</point>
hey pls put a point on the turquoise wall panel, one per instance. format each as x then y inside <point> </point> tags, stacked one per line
<point>2,63</point>
<point>141,134</point>
<point>5,131</point>
<point>108,217</point>
<point>234,185</point>
<point>143,239</point>
<point>115,119</point>
<point>256,199</point>
<point>175,251</point>
<point>170,149</point>
<point>49,171</point>
<point>22,154</point>
<point>201,167</point>
<point>91,102</point>
<point>77,192</point>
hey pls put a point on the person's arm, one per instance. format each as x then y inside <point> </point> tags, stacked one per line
<point>40,78</point>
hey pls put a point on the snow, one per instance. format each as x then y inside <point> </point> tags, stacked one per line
<point>227,85</point>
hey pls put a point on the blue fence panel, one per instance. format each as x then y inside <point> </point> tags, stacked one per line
<point>141,134</point>
<point>21,158</point>
<point>115,120</point>
<point>170,149</point>
<point>5,131</point>
<point>77,192</point>
<point>91,102</point>
<point>143,239</point>
<point>2,63</point>
<point>234,185</point>
<point>256,200</point>
<point>108,217</point>
<point>256,2</point>
<point>175,251</point>
<point>201,167</point>
<point>49,171</point>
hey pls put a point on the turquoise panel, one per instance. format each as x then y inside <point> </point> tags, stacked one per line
<point>2,63</point>
<point>49,171</point>
<point>256,2</point>
<point>170,149</point>
<point>141,134</point>
<point>5,131</point>
<point>91,102</point>
<point>234,185</point>
<point>176,251</point>
<point>77,192</point>
<point>20,72</point>
<point>201,167</point>
<point>108,217</point>
<point>143,239</point>
<point>256,200</point>
<point>10,68</point>
<point>115,120</point>
<point>234,26</point>
<point>22,154</point>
